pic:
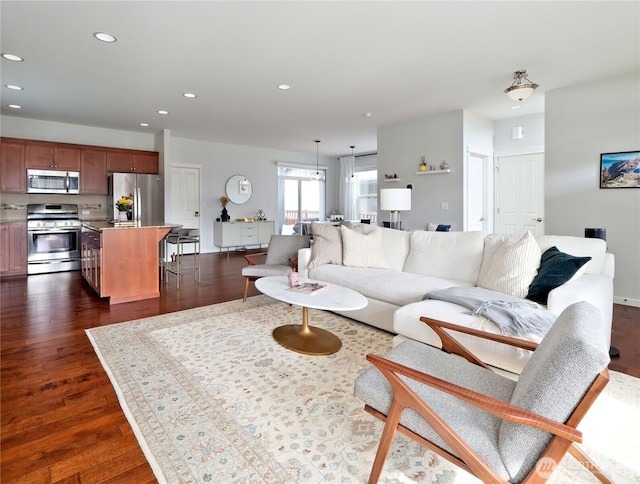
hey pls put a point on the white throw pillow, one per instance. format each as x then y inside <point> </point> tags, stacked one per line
<point>513,267</point>
<point>363,250</point>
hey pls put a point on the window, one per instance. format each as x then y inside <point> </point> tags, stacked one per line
<point>367,194</point>
<point>301,200</point>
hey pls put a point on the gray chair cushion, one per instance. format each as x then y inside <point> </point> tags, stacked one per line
<point>553,382</point>
<point>283,247</point>
<point>478,428</point>
<point>264,270</point>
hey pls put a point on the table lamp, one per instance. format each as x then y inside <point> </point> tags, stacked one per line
<point>395,200</point>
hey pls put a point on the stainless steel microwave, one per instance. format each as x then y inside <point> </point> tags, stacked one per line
<point>51,181</point>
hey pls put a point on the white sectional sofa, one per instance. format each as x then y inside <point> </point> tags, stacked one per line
<point>395,269</point>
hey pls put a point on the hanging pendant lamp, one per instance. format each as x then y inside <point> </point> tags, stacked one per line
<point>317,176</point>
<point>352,178</point>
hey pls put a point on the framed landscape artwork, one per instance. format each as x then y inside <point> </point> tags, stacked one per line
<point>620,170</point>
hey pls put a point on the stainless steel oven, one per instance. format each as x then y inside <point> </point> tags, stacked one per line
<point>53,238</point>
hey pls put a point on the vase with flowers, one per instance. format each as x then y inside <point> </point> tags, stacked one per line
<point>124,204</point>
<point>224,216</point>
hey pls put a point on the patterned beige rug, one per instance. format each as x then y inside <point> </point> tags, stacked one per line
<point>213,398</point>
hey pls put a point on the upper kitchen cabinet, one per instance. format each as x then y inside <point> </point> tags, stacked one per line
<point>51,156</point>
<point>13,173</point>
<point>132,161</point>
<point>93,172</point>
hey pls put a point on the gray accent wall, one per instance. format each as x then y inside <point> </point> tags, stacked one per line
<point>583,121</point>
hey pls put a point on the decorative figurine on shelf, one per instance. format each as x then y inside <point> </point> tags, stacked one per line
<point>224,216</point>
<point>423,164</point>
<point>444,165</point>
<point>260,215</point>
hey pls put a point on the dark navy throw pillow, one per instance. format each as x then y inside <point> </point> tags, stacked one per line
<point>556,268</point>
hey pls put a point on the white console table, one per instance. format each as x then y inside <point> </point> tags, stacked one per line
<point>242,234</point>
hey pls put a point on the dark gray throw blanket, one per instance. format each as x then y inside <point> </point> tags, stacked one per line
<point>512,315</point>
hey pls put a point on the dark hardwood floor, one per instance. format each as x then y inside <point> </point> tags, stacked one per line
<point>60,417</point>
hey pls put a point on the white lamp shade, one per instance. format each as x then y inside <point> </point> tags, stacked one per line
<point>395,199</point>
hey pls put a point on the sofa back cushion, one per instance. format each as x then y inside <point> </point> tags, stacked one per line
<point>327,245</point>
<point>450,255</point>
<point>579,247</point>
<point>396,247</point>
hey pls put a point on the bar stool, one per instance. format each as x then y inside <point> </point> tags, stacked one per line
<point>181,262</point>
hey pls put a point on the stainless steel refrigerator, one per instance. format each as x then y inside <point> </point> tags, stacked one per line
<point>148,196</point>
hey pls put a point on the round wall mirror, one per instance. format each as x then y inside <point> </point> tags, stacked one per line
<point>239,189</point>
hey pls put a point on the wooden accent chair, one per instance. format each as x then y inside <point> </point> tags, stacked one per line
<point>281,259</point>
<point>495,428</point>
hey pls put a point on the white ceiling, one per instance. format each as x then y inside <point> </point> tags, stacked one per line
<point>396,60</point>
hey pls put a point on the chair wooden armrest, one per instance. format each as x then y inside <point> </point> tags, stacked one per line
<point>498,408</point>
<point>451,345</point>
<point>249,257</point>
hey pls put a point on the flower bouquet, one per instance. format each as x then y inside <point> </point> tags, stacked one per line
<point>125,203</point>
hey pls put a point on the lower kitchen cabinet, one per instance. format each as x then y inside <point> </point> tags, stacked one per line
<point>13,248</point>
<point>122,263</point>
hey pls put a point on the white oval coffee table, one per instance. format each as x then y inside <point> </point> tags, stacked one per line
<point>304,338</point>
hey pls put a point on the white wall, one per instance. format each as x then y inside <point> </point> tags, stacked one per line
<point>581,122</point>
<point>220,161</point>
<point>400,147</point>
<point>532,135</point>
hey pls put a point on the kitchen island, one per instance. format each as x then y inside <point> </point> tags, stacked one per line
<point>120,261</point>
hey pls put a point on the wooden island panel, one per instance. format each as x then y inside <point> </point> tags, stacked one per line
<point>128,265</point>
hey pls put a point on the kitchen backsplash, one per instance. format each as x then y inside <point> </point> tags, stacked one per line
<point>13,206</point>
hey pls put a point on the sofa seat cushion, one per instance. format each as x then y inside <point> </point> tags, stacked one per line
<point>386,285</point>
<point>406,322</point>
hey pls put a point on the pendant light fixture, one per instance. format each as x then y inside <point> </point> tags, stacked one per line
<point>318,176</point>
<point>521,88</point>
<point>352,178</point>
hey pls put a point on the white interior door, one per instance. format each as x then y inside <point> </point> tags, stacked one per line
<point>185,196</point>
<point>476,193</point>
<point>520,194</point>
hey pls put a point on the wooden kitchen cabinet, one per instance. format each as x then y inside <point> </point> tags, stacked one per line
<point>93,172</point>
<point>132,161</point>
<point>13,248</point>
<point>13,173</point>
<point>91,257</point>
<point>51,156</point>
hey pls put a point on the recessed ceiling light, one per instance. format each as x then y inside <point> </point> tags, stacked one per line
<point>367,115</point>
<point>162,111</point>
<point>189,95</point>
<point>105,37</point>
<point>517,106</point>
<point>15,106</point>
<point>11,86</point>
<point>144,124</point>
<point>12,57</point>
<point>284,87</point>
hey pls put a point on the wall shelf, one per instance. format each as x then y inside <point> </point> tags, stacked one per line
<point>389,180</point>
<point>433,172</point>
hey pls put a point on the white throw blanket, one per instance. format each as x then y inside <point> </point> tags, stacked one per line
<point>512,315</point>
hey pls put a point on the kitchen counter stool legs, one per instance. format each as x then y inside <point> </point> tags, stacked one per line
<point>182,261</point>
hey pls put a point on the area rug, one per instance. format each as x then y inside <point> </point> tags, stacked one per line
<point>212,397</point>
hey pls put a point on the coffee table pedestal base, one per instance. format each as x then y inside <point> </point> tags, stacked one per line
<point>307,339</point>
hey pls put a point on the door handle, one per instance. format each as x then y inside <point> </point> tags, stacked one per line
<point>481,219</point>
<point>537,219</point>
<point>196,214</point>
